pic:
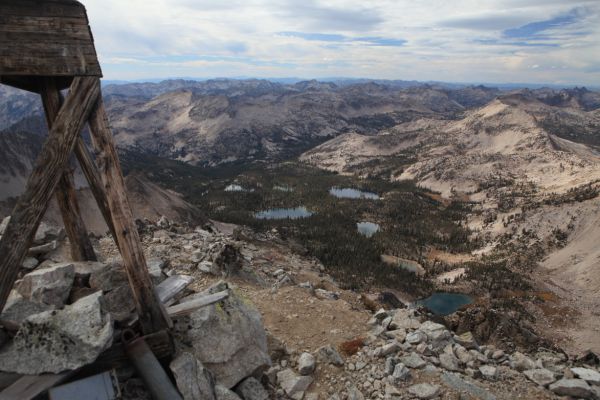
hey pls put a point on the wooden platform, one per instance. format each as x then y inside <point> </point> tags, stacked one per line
<point>40,38</point>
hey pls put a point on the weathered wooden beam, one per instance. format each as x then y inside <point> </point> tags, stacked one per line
<point>30,386</point>
<point>93,177</point>
<point>49,166</point>
<point>168,289</point>
<point>195,304</point>
<point>151,312</point>
<point>81,246</point>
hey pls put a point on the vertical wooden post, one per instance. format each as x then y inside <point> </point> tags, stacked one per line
<point>49,167</point>
<point>150,310</point>
<point>81,246</point>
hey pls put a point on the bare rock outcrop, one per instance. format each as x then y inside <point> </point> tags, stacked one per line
<point>227,337</point>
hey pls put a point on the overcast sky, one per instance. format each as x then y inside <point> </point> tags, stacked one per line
<point>534,41</point>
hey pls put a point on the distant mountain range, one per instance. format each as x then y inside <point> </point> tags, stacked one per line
<point>527,160</point>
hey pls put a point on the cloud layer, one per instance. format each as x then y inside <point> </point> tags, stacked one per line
<point>536,41</point>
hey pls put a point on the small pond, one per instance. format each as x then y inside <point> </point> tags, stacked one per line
<point>283,213</point>
<point>349,193</point>
<point>445,303</point>
<point>367,229</point>
<point>283,188</point>
<point>237,188</point>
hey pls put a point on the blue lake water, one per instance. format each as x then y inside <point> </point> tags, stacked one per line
<point>283,213</point>
<point>367,229</point>
<point>445,303</point>
<point>349,193</point>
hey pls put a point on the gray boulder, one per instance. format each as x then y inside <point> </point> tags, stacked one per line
<point>400,374</point>
<point>413,360</point>
<point>223,393</point>
<point>355,394</point>
<point>327,354</point>
<point>416,337</point>
<point>589,375</point>
<point>108,278</point>
<point>18,308</point>
<point>155,266</point>
<point>466,340</point>
<point>30,263</point>
<point>389,348</point>
<point>424,390</point>
<point>572,387</point>
<point>521,362</point>
<point>56,341</point>
<point>437,334</point>
<point>227,337</point>
<point>46,233</point>
<point>449,362</point>
<point>251,389</point>
<point>50,285</point>
<point>541,376</point>
<point>489,372</point>
<point>404,319</point>
<point>294,385</point>
<point>193,380</point>
<point>306,364</point>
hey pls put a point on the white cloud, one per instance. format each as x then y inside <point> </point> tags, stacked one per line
<point>461,40</point>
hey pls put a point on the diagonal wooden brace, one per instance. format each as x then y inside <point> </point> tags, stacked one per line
<point>42,182</point>
<point>81,246</point>
<point>153,317</point>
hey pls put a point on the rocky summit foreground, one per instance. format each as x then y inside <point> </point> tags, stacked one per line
<point>274,326</point>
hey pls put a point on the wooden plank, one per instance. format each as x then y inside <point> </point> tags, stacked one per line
<point>81,246</point>
<point>171,287</point>
<point>42,8</point>
<point>43,24</point>
<point>54,50</point>
<point>49,166</point>
<point>30,386</point>
<point>66,36</point>
<point>150,310</point>
<point>78,65</point>
<point>195,304</point>
<point>91,173</point>
<point>8,378</point>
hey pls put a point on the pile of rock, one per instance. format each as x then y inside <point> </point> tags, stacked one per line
<point>64,315</point>
<point>405,354</point>
<point>46,241</point>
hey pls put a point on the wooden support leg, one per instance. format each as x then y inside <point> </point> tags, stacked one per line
<point>81,246</point>
<point>151,312</point>
<point>49,167</point>
<point>91,173</point>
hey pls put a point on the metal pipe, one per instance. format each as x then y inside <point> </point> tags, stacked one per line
<point>147,365</point>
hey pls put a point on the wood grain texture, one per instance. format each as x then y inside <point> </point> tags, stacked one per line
<point>30,386</point>
<point>189,307</point>
<point>91,173</point>
<point>46,38</point>
<point>81,246</point>
<point>49,166</point>
<point>151,312</point>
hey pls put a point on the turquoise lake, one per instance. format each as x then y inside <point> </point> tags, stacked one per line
<point>445,303</point>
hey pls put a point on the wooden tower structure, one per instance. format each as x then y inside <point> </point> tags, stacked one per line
<point>46,46</point>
